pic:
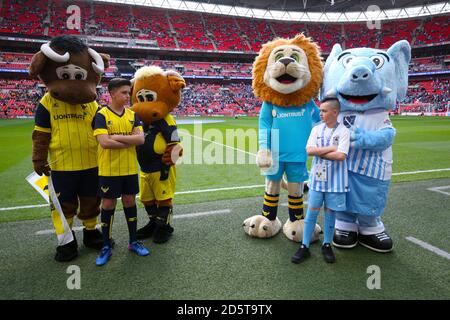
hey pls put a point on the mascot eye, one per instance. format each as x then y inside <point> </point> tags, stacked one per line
<point>378,61</point>
<point>65,76</point>
<point>79,76</point>
<point>146,95</point>
<point>279,56</point>
<point>295,56</point>
<point>347,60</point>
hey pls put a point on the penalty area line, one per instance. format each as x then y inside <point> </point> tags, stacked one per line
<point>429,247</point>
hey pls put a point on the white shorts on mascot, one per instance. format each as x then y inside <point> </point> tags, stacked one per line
<point>287,75</point>
<point>367,83</point>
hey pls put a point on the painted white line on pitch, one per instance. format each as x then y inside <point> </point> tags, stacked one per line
<point>221,144</point>
<point>223,189</point>
<point>25,207</point>
<point>178,216</point>
<point>51,231</point>
<point>429,247</point>
<point>439,189</point>
<point>421,171</point>
<point>200,214</point>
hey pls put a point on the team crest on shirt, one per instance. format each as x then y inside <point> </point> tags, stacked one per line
<point>131,121</point>
<point>335,140</point>
<point>83,106</point>
<point>349,121</point>
<point>109,123</point>
<point>274,113</point>
<point>387,122</point>
<point>104,189</point>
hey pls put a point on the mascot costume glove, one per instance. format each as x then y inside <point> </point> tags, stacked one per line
<point>287,75</point>
<point>155,94</point>
<point>64,131</point>
<point>367,83</point>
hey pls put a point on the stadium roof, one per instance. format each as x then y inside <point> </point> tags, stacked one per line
<point>305,10</point>
<point>321,5</point>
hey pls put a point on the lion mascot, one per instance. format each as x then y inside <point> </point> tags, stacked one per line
<point>64,132</point>
<point>367,83</point>
<point>155,94</point>
<point>287,75</point>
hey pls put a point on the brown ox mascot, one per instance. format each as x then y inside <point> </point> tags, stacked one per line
<point>63,130</point>
<point>155,94</point>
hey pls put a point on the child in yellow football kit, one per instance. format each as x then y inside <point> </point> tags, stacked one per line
<point>118,131</point>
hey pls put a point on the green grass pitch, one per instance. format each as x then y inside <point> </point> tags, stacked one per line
<point>209,256</point>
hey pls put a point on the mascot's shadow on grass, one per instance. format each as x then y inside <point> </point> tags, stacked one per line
<point>287,75</point>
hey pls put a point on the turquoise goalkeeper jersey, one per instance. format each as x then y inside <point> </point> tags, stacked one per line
<point>285,130</point>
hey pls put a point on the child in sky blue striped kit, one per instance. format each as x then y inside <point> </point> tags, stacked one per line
<point>328,143</point>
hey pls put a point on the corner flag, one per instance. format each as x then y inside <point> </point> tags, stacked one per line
<point>44,186</point>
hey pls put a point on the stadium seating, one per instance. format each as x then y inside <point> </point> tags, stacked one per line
<point>196,31</point>
<point>18,98</point>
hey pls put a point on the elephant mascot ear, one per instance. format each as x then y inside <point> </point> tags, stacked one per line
<point>328,78</point>
<point>401,54</point>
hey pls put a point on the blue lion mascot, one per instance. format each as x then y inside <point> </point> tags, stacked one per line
<point>367,83</point>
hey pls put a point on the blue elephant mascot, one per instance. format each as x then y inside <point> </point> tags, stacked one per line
<point>367,83</point>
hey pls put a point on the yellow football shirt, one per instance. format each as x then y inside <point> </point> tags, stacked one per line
<point>73,146</point>
<point>116,162</point>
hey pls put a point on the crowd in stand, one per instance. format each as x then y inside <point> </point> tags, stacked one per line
<point>190,68</point>
<point>192,30</point>
<point>208,99</point>
<point>18,98</point>
<point>435,92</point>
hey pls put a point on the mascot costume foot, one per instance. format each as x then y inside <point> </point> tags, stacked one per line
<point>367,83</point>
<point>64,131</point>
<point>287,75</point>
<point>155,94</point>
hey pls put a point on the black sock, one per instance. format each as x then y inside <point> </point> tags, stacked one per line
<point>270,206</point>
<point>164,214</point>
<point>295,208</point>
<point>107,218</point>
<point>131,215</point>
<point>152,211</point>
